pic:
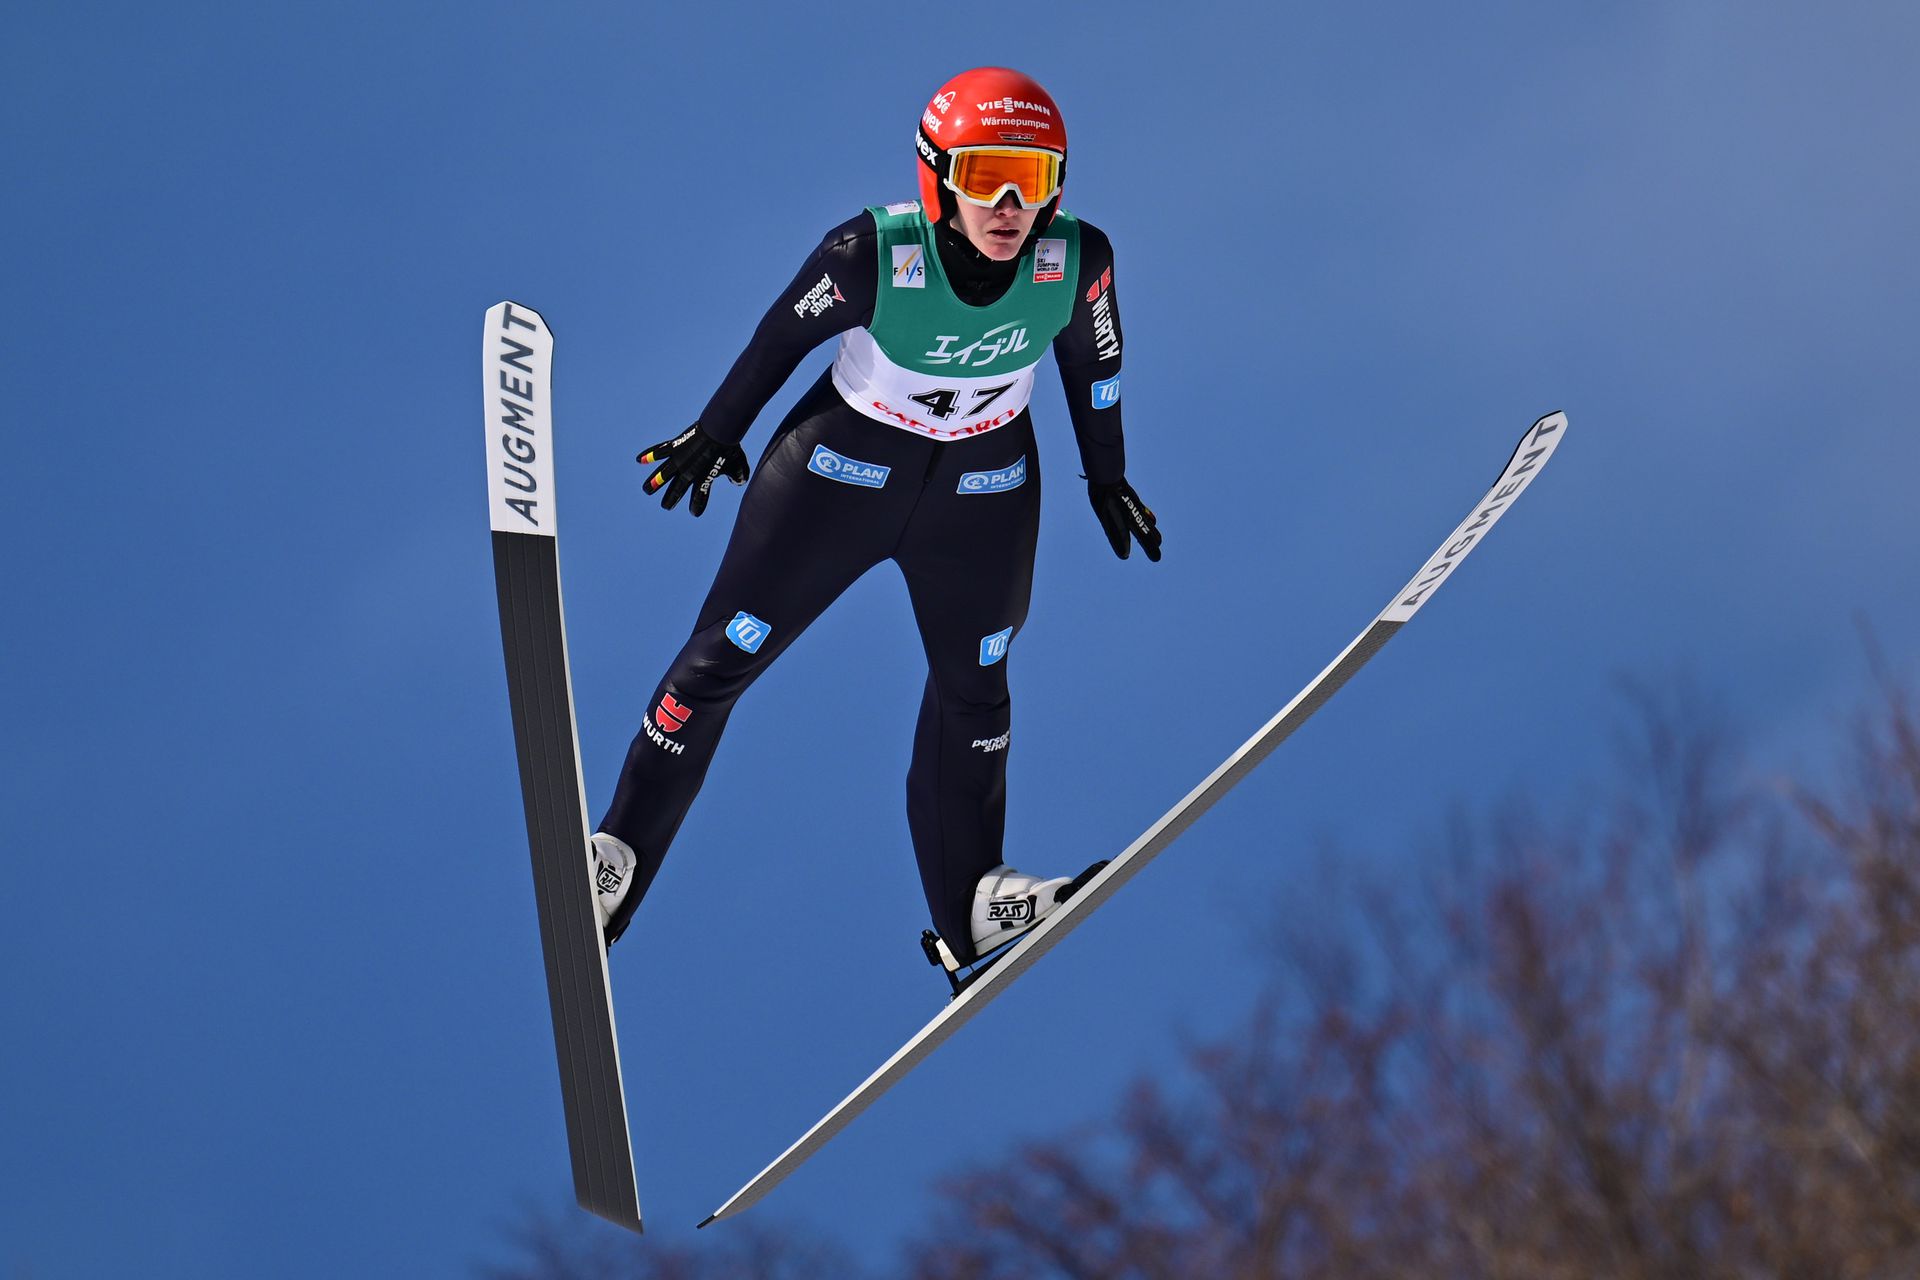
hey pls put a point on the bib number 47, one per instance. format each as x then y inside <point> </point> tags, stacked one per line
<point>944,402</point>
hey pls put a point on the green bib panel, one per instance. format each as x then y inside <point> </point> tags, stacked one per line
<point>921,326</point>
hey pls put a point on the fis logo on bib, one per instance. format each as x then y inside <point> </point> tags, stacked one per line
<point>1107,394</point>
<point>994,647</point>
<point>825,462</point>
<point>748,632</point>
<point>1049,261</point>
<point>909,267</point>
<point>995,481</point>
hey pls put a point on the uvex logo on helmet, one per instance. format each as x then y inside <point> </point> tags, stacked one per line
<point>964,106</point>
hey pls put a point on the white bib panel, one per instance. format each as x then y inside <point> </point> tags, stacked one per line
<point>940,406</point>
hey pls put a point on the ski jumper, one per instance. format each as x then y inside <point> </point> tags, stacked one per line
<point>915,446</point>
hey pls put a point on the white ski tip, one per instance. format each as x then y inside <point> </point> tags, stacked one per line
<point>517,386</point>
<point>1528,458</point>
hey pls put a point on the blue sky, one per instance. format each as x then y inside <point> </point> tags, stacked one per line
<point>272,984</point>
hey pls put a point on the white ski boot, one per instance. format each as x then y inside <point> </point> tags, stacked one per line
<point>1007,904</point>
<point>611,863</point>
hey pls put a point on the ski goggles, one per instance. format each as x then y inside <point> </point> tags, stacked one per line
<point>982,175</point>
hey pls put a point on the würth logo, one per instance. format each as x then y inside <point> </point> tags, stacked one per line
<point>671,715</point>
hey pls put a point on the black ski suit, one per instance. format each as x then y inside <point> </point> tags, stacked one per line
<point>802,537</point>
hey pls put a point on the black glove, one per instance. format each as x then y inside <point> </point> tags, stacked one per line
<point>1121,513</point>
<point>693,459</point>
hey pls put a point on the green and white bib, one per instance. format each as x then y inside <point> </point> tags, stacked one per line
<point>931,364</point>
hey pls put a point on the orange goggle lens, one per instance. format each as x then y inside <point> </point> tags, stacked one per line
<point>983,175</point>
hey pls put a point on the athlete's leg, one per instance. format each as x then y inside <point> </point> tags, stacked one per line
<point>968,560</point>
<point>801,538</point>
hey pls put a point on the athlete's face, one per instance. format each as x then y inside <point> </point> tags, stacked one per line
<point>997,232</point>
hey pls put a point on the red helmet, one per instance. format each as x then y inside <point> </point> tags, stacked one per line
<point>995,119</point>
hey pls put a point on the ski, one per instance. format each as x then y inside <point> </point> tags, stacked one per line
<point>517,361</point>
<point>990,979</point>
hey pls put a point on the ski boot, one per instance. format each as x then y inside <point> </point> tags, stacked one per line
<point>611,864</point>
<point>1007,904</point>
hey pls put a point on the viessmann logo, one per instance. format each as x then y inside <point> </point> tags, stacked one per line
<point>1011,104</point>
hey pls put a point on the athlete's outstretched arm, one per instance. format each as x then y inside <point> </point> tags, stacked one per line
<point>1088,353</point>
<point>833,291</point>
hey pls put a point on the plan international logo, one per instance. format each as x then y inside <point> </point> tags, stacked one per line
<point>835,466</point>
<point>995,481</point>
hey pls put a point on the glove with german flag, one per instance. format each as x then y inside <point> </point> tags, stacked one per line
<point>692,460</point>
<point>1122,514</point>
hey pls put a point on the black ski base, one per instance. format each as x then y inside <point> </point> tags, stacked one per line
<point>527,574</point>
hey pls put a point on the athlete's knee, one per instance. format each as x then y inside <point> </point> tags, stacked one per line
<point>976,696</point>
<point>713,670</point>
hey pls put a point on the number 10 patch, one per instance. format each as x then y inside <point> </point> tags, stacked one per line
<point>994,647</point>
<point>747,631</point>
